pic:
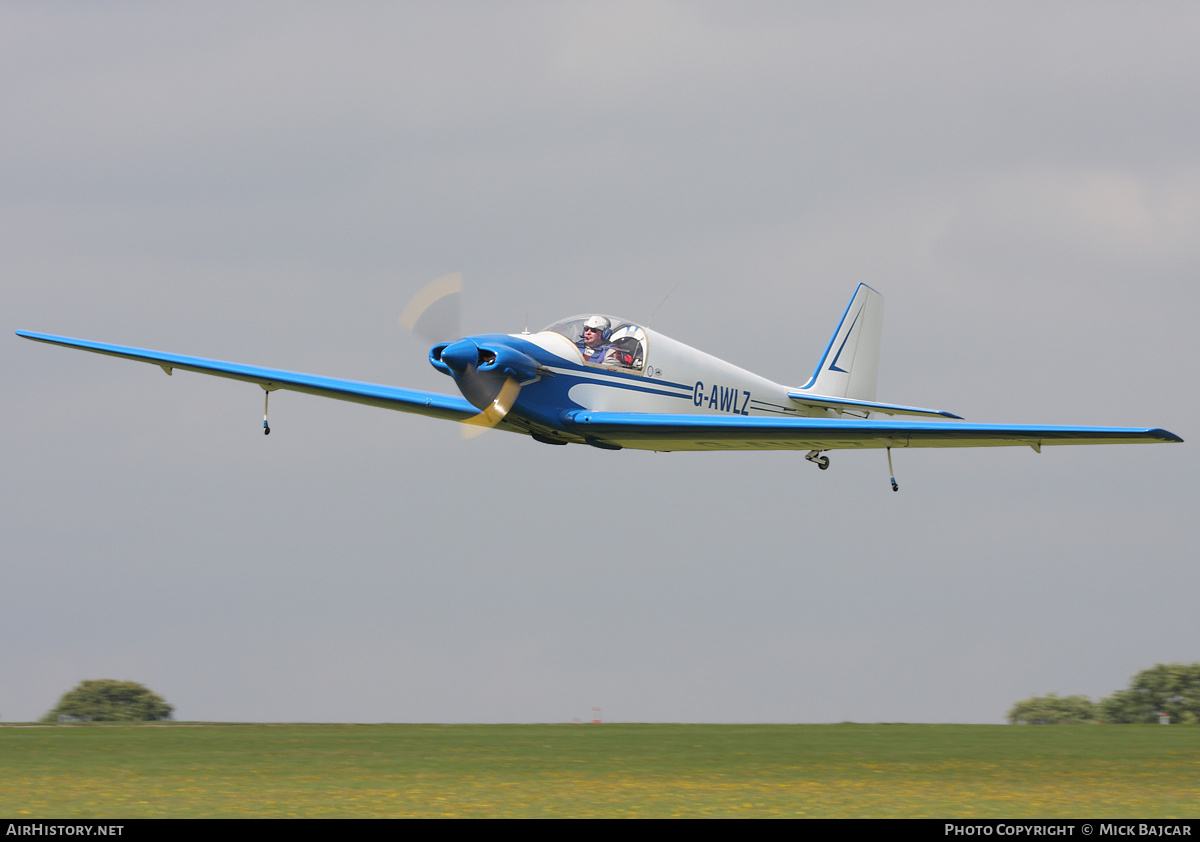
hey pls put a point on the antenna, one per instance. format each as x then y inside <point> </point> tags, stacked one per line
<point>664,301</point>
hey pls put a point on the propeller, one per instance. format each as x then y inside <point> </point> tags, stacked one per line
<point>489,378</point>
<point>495,413</point>
<point>435,312</point>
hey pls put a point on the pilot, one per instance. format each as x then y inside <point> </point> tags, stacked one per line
<point>593,345</point>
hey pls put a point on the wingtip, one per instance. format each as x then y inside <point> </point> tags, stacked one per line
<point>1165,435</point>
<point>44,337</point>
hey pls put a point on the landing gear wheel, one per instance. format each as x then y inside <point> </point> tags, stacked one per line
<point>817,459</point>
<point>266,430</point>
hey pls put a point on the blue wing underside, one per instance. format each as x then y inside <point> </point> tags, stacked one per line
<point>646,431</point>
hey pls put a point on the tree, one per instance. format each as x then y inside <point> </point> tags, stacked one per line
<point>1173,689</point>
<point>106,700</point>
<point>1053,710</point>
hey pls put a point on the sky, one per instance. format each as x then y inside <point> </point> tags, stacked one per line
<point>270,183</point>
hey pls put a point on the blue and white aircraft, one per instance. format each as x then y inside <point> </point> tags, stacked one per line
<point>611,383</point>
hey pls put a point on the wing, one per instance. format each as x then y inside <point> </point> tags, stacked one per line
<point>388,397</point>
<point>719,432</point>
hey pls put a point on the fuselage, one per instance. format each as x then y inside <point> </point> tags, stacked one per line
<point>636,370</point>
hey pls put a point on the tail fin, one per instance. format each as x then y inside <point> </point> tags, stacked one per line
<point>850,365</point>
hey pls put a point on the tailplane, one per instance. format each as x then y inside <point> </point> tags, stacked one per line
<point>849,367</point>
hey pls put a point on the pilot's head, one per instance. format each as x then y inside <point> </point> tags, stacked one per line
<point>595,331</point>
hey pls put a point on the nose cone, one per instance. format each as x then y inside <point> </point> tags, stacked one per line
<point>461,356</point>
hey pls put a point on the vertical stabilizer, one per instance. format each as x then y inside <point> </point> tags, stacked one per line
<point>849,367</point>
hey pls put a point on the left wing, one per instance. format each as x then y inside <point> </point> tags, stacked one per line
<point>720,432</point>
<point>372,394</point>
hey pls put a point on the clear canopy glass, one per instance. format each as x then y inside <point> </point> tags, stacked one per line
<point>616,343</point>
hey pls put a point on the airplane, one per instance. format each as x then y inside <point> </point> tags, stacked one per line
<point>611,383</point>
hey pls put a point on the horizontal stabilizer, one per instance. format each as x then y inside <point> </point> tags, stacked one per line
<point>869,406</point>
<point>387,397</point>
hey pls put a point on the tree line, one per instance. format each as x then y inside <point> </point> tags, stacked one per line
<point>1171,689</point>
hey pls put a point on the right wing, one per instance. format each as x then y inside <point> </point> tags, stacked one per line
<point>388,397</point>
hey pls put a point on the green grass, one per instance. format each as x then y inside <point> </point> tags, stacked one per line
<point>975,771</point>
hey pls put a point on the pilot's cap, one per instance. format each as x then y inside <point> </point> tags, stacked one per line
<point>596,323</point>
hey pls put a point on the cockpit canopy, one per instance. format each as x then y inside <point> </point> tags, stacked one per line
<point>622,343</point>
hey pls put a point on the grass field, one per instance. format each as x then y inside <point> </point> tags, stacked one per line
<point>975,771</point>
